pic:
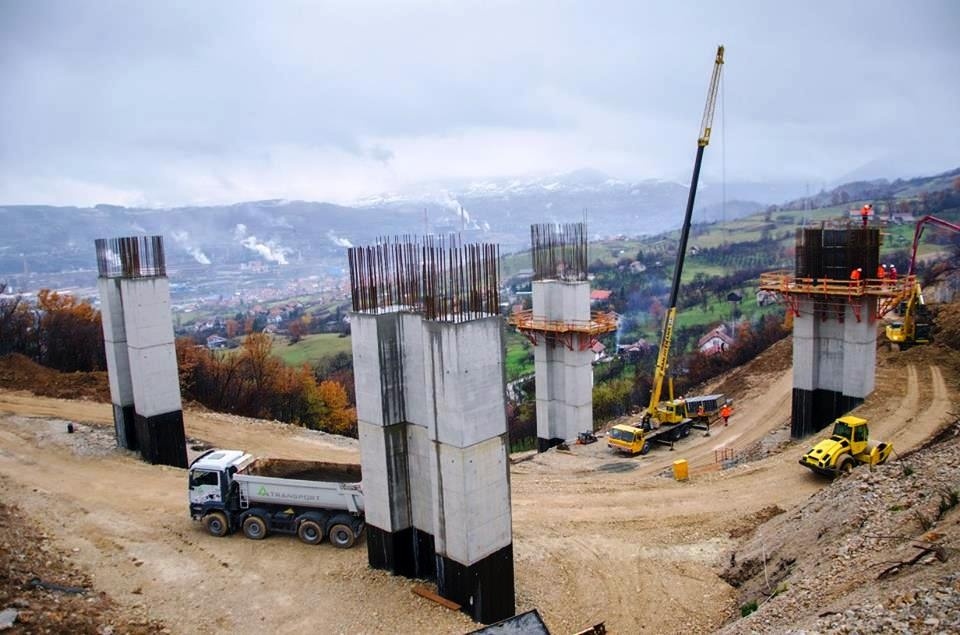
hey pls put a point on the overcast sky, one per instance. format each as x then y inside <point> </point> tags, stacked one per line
<point>164,103</point>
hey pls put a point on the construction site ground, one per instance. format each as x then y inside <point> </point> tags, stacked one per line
<point>598,537</point>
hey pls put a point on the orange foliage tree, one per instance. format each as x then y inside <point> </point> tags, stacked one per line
<point>253,383</point>
<point>70,334</point>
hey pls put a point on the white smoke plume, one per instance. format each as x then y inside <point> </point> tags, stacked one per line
<point>463,215</point>
<point>338,241</point>
<point>183,239</point>
<point>268,250</point>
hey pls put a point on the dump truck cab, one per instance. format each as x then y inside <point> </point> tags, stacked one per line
<point>211,476</point>
<point>848,445</point>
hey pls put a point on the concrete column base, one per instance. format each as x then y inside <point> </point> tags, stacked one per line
<point>812,410</point>
<point>484,589</point>
<point>125,425</point>
<point>161,439</point>
<point>545,444</point>
<point>408,552</point>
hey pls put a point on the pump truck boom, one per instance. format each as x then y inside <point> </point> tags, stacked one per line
<point>914,325</point>
<point>660,372</point>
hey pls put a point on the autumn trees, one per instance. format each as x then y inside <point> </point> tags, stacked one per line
<point>57,331</point>
<point>252,382</point>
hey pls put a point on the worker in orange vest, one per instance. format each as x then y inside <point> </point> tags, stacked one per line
<point>725,412</point>
<point>881,271</point>
<point>865,212</point>
<point>855,277</point>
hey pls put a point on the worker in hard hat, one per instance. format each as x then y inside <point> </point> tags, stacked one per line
<point>865,213</point>
<point>893,273</point>
<point>881,271</point>
<point>855,277</point>
<point>725,412</point>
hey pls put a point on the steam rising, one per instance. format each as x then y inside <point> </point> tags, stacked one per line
<point>268,250</point>
<point>338,241</point>
<point>182,238</point>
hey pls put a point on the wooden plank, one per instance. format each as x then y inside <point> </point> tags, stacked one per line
<point>424,592</point>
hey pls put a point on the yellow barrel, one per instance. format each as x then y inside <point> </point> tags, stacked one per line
<point>680,469</point>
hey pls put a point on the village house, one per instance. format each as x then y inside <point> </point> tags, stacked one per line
<point>715,342</point>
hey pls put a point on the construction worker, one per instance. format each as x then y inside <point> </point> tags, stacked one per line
<point>881,271</point>
<point>725,412</point>
<point>865,213</point>
<point>893,273</point>
<point>855,277</point>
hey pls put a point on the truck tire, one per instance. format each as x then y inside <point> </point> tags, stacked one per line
<point>341,535</point>
<point>845,466</point>
<point>646,448</point>
<point>310,532</point>
<point>254,528</point>
<point>216,524</point>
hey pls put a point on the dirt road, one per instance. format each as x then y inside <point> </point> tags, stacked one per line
<point>597,537</point>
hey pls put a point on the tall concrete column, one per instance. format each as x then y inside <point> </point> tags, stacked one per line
<point>466,410</point>
<point>834,360</point>
<point>118,363</point>
<point>153,370</point>
<point>141,355</point>
<point>564,377</point>
<point>382,428</point>
<point>431,405</point>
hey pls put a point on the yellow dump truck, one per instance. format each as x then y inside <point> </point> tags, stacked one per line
<point>848,446</point>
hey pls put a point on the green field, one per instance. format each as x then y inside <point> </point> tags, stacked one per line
<point>519,355</point>
<point>311,349</point>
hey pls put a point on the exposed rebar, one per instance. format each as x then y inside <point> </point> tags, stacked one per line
<point>131,257</point>
<point>442,278</point>
<point>559,251</point>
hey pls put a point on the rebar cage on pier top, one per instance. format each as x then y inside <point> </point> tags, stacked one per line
<point>559,251</point>
<point>131,257</point>
<point>439,277</point>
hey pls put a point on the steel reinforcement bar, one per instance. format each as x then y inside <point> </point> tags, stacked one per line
<point>559,251</point>
<point>131,257</point>
<point>440,277</point>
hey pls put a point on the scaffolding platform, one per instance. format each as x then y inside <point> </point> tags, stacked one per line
<point>574,334</point>
<point>829,292</point>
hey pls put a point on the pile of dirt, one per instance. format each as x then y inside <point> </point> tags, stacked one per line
<point>773,361</point>
<point>871,552</point>
<point>42,592</point>
<point>18,372</point>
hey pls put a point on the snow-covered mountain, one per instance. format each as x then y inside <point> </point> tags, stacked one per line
<point>279,230</point>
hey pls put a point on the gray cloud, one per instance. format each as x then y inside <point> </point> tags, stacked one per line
<point>163,103</point>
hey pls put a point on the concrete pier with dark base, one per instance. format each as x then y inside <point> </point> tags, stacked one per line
<point>141,354</point>
<point>432,428</point>
<point>834,324</point>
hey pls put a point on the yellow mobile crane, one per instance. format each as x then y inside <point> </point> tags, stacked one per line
<point>631,438</point>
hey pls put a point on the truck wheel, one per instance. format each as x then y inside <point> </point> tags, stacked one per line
<point>216,523</point>
<point>310,532</point>
<point>646,448</point>
<point>342,536</point>
<point>254,528</point>
<point>845,466</point>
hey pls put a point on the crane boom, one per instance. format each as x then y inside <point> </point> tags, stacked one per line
<point>703,140</point>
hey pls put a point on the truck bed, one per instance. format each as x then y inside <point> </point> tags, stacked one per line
<point>304,470</point>
<point>302,483</point>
